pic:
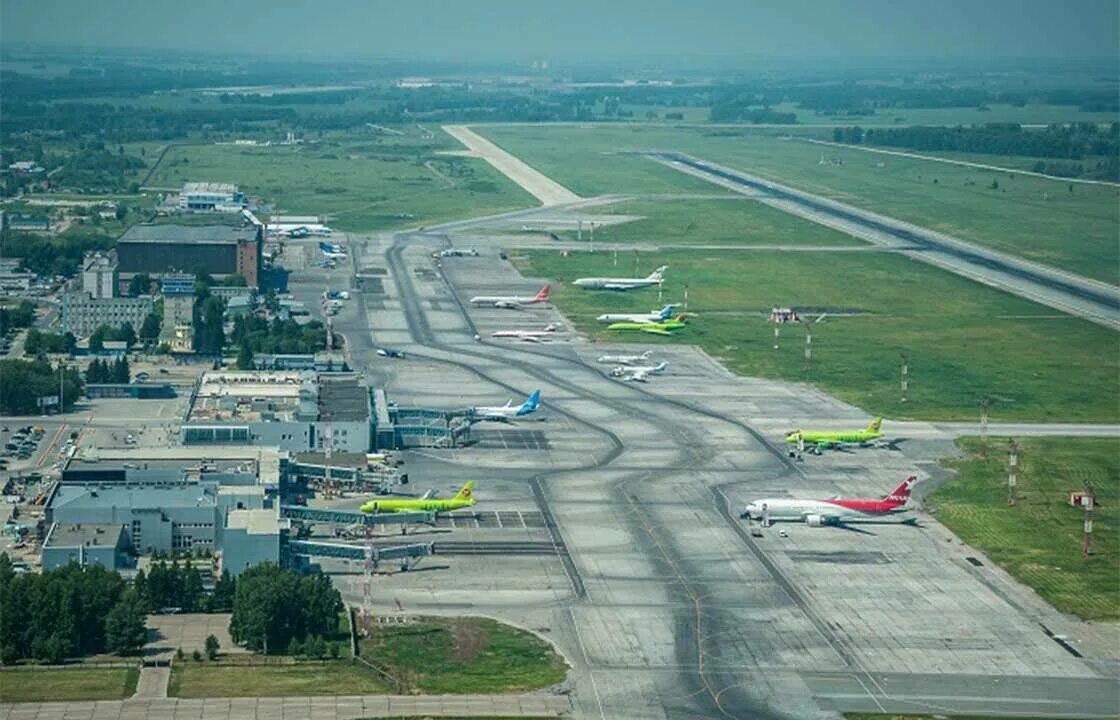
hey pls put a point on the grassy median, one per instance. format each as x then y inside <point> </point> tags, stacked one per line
<point>339,677</point>
<point>1038,540</point>
<point>51,684</point>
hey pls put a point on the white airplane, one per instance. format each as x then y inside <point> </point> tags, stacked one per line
<point>512,302</point>
<point>836,511</point>
<point>331,250</point>
<point>651,317</point>
<point>638,374</point>
<point>608,283</point>
<point>509,411</point>
<point>624,359</point>
<point>527,335</point>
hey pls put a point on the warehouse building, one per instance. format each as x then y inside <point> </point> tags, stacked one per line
<point>104,544</point>
<point>219,250</point>
<point>293,411</point>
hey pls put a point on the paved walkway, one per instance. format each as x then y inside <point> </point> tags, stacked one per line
<point>320,708</point>
<point>152,683</point>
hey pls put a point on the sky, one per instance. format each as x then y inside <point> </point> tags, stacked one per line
<point>573,31</point>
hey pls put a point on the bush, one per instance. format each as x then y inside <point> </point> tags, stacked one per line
<point>196,656</point>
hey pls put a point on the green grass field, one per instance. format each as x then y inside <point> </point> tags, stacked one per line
<point>1039,539</point>
<point>965,340</point>
<point>1035,218</point>
<point>38,684</point>
<point>713,222</point>
<point>375,183</point>
<point>464,655</point>
<point>194,680</point>
<point>1032,114</point>
<point>939,716</point>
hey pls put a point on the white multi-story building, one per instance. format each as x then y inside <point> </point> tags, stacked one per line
<point>82,314</point>
<point>99,274</point>
<point>210,197</point>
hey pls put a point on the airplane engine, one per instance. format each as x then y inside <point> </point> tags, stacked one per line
<point>820,520</point>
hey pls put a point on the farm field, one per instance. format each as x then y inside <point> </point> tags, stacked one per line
<point>1038,540</point>
<point>965,341</point>
<point>1035,218</point>
<point>359,185</point>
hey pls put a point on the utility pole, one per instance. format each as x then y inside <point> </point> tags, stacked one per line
<point>60,373</point>
<point>985,404</point>
<point>684,307</point>
<point>905,377</point>
<point>1087,502</point>
<point>592,246</point>
<point>637,256</point>
<point>616,256</point>
<point>1012,470</point>
<point>777,325</point>
<point>579,230</point>
<point>808,350</point>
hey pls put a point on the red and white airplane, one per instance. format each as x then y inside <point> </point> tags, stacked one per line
<point>527,335</point>
<point>512,302</point>
<point>837,511</point>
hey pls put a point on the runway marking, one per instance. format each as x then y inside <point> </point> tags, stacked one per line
<point>587,660</point>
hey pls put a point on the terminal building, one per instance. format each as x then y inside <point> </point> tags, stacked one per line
<point>104,544</point>
<point>219,250</point>
<point>83,313</point>
<point>210,197</point>
<point>292,411</point>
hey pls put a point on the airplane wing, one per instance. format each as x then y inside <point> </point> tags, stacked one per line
<point>428,495</point>
<point>655,331</point>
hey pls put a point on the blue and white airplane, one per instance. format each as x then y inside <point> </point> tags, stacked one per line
<point>509,411</point>
<point>653,316</point>
<point>331,250</point>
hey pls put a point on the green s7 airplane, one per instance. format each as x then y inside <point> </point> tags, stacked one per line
<point>819,440</point>
<point>428,503</point>
<point>664,327</point>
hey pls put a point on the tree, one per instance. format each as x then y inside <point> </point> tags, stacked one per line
<point>212,647</point>
<point>125,632</point>
<point>235,280</point>
<point>128,334</point>
<point>149,329</point>
<point>245,356</point>
<point>224,589</point>
<point>141,284</point>
<point>98,337</point>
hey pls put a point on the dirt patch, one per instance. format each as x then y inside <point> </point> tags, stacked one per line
<point>469,640</point>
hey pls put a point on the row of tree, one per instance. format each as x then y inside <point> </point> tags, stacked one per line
<point>38,342</point>
<point>24,382</point>
<point>67,612</point>
<point>102,371</point>
<point>20,316</point>
<point>54,255</point>
<point>272,607</point>
<point>180,586</point>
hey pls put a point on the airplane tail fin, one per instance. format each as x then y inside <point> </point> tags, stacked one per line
<point>661,367</point>
<point>658,273</point>
<point>646,354</point>
<point>666,312</point>
<point>902,493</point>
<point>875,424</point>
<point>542,295</point>
<point>466,492</point>
<point>530,404</point>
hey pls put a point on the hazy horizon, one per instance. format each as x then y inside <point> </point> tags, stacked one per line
<point>578,32</point>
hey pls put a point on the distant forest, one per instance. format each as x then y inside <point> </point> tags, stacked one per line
<point>1082,150</point>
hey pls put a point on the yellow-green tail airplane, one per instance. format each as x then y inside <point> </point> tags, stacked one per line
<point>663,327</point>
<point>823,440</point>
<point>428,503</point>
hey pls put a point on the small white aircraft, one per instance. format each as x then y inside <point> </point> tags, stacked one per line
<point>638,374</point>
<point>509,411</point>
<point>527,335</point>
<point>512,302</point>
<point>624,359</point>
<point>609,283</point>
<point>651,317</point>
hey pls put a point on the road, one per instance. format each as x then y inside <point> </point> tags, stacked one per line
<point>1092,300</point>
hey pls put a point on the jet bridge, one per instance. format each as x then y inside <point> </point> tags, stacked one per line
<point>374,554</point>
<point>350,517</point>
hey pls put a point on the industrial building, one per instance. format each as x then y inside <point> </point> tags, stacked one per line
<point>210,197</point>
<point>293,411</point>
<point>137,390</point>
<point>104,544</point>
<point>219,250</point>
<point>320,362</point>
<point>82,313</point>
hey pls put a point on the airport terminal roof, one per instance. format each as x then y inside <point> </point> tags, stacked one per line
<point>134,496</point>
<point>343,399</point>
<point>177,234</point>
<point>220,458</point>
<point>75,534</point>
<point>209,187</point>
<point>257,522</point>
